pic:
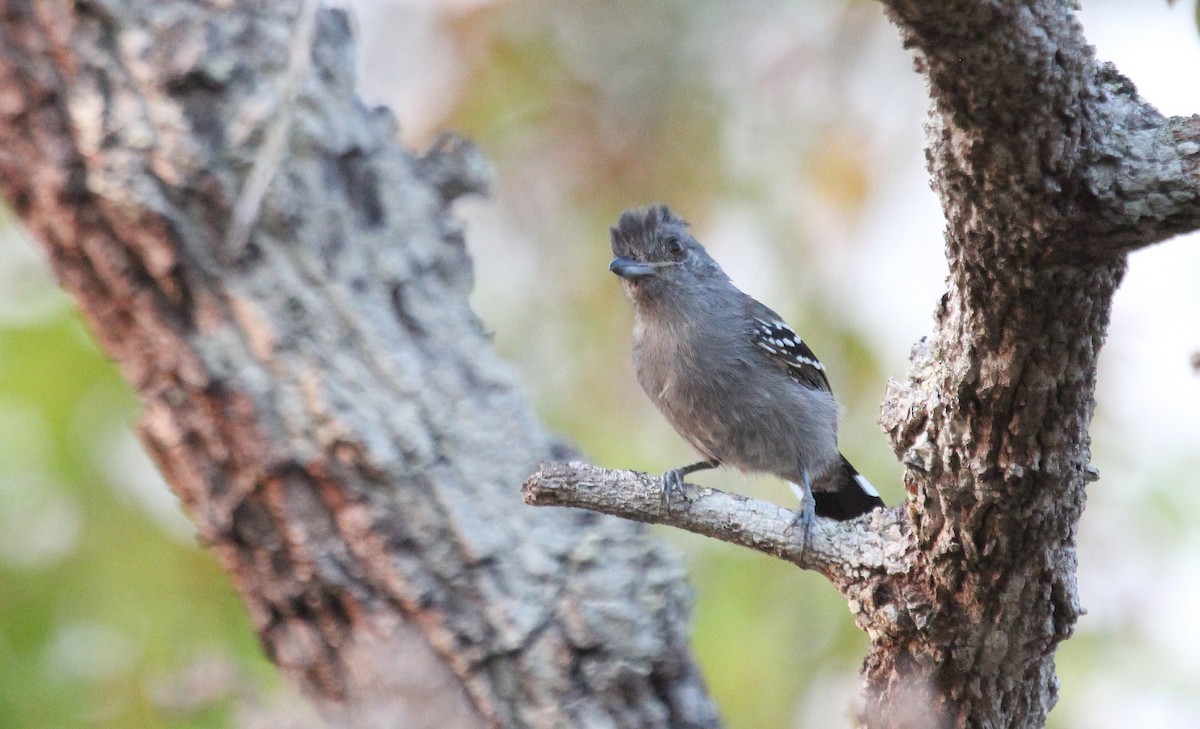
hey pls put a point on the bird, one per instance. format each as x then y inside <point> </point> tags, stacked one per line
<point>734,380</point>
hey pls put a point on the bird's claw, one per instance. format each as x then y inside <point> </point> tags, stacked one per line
<point>804,518</point>
<point>673,487</point>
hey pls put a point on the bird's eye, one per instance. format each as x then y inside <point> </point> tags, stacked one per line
<point>675,247</point>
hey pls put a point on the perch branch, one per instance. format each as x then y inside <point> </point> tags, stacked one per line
<point>838,550</point>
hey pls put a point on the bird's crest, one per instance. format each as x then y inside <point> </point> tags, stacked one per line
<point>637,229</point>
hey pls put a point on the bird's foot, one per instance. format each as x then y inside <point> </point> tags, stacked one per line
<point>674,487</point>
<point>804,518</point>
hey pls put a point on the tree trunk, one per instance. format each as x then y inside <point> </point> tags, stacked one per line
<point>1050,169</point>
<point>285,288</point>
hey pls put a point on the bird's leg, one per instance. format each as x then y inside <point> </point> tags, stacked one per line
<point>807,511</point>
<point>673,480</point>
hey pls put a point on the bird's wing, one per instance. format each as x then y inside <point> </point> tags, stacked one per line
<point>780,342</point>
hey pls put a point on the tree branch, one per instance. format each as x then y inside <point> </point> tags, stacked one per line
<point>1143,174</point>
<point>1023,106</point>
<point>843,551</point>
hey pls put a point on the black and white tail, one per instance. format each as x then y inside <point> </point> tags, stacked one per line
<point>842,493</point>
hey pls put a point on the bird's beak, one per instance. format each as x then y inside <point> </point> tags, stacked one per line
<point>631,270</point>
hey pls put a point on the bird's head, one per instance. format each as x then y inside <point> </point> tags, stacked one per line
<point>656,256</point>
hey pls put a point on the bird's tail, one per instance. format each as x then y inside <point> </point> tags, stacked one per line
<point>842,493</point>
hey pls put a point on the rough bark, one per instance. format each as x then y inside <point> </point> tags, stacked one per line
<point>1050,169</point>
<point>285,287</point>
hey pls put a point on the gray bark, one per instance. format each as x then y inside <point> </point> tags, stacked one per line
<point>285,287</point>
<point>1050,169</point>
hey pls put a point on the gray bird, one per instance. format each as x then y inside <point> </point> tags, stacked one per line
<point>729,374</point>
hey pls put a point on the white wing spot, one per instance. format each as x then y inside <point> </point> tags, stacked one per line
<point>802,361</point>
<point>866,486</point>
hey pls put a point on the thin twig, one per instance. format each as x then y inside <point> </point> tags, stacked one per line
<point>249,203</point>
